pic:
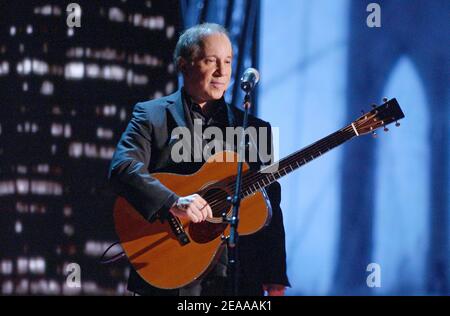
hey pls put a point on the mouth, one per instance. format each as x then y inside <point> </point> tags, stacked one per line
<point>218,84</point>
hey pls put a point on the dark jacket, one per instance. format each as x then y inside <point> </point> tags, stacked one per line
<point>145,148</point>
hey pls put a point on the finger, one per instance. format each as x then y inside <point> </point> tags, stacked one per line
<point>192,215</point>
<point>201,206</point>
<point>209,210</point>
<point>196,211</point>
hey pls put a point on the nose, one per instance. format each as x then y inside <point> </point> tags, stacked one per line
<point>221,69</point>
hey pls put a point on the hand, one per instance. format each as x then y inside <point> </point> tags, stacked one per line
<point>193,207</point>
<point>274,289</point>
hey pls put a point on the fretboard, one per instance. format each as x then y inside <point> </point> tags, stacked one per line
<point>253,181</point>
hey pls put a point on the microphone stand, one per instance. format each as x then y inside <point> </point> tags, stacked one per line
<point>233,239</point>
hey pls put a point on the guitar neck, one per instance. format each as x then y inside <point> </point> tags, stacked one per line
<point>256,180</point>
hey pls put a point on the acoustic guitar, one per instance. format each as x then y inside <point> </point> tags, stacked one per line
<point>173,252</point>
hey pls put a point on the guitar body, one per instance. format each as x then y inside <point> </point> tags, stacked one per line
<point>155,249</point>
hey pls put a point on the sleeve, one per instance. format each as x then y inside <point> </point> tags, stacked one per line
<point>129,174</point>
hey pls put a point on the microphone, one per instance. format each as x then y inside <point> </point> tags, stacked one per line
<point>249,79</point>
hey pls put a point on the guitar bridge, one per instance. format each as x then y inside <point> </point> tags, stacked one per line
<point>178,230</point>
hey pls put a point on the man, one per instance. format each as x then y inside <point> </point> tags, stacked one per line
<point>203,56</point>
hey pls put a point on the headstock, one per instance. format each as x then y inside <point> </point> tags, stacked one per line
<point>380,116</point>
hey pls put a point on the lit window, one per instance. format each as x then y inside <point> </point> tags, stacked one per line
<point>93,71</point>
<point>104,133</point>
<point>75,150</point>
<point>170,31</point>
<point>44,10</point>
<point>6,267</point>
<point>116,15</point>
<point>4,68</point>
<point>23,287</point>
<point>106,152</point>
<point>67,211</point>
<point>21,207</point>
<point>68,230</point>
<point>170,87</point>
<point>21,169</point>
<point>7,187</point>
<point>12,30</point>
<point>123,115</point>
<point>67,130</point>
<point>109,110</point>
<point>7,287</point>
<point>90,150</point>
<point>24,67</point>
<point>114,73</point>
<point>18,227</point>
<point>29,29</point>
<point>56,129</point>
<point>22,265</point>
<point>140,79</point>
<point>74,71</point>
<point>43,168</point>
<point>171,68</point>
<point>96,248</point>
<point>75,52</point>
<point>39,67</point>
<point>56,10</point>
<point>47,88</point>
<point>23,186</point>
<point>37,265</point>
<point>41,187</point>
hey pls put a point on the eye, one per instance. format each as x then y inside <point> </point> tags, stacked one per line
<point>210,60</point>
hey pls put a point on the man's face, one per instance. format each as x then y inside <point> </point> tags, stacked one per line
<point>207,76</point>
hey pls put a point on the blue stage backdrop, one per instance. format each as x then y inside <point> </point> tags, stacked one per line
<point>374,207</point>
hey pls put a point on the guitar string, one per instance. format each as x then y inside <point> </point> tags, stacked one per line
<point>256,176</point>
<point>335,140</point>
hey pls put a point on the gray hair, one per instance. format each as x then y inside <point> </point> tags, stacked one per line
<point>190,40</point>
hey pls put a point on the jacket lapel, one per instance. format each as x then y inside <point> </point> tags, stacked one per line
<point>176,109</point>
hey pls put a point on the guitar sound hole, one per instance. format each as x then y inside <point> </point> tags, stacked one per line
<point>209,230</point>
<point>217,199</point>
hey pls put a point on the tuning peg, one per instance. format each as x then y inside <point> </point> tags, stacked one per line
<point>386,129</point>
<point>374,134</point>
<point>385,99</point>
<point>397,124</point>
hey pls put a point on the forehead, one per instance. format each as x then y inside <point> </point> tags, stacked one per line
<point>216,44</point>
